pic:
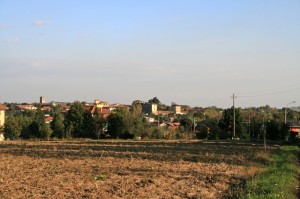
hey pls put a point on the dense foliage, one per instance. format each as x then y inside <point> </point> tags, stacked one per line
<point>197,122</point>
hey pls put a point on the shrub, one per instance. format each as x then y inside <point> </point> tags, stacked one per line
<point>157,133</point>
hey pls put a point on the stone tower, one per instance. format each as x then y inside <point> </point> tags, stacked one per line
<point>42,100</point>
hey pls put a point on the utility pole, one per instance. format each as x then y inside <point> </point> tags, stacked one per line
<point>194,125</point>
<point>285,121</point>
<point>233,97</point>
<point>249,122</point>
<point>157,117</point>
<point>285,111</point>
<point>265,132</point>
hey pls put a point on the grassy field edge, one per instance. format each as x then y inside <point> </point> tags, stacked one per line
<point>280,177</point>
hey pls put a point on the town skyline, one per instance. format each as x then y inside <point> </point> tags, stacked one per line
<point>197,53</point>
<point>44,100</point>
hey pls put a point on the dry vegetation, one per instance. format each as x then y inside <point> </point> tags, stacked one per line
<point>126,169</point>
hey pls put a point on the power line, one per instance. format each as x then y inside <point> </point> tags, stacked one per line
<point>233,98</point>
<point>271,93</point>
<point>277,89</point>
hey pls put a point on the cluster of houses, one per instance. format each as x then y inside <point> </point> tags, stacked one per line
<point>103,108</point>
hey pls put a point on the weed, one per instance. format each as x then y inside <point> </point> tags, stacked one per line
<point>101,177</point>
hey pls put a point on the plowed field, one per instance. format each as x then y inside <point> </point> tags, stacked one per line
<point>126,169</point>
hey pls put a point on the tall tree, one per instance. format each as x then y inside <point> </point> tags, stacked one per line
<point>136,108</point>
<point>124,124</point>
<point>115,125</point>
<point>276,129</point>
<point>89,125</point>
<point>226,122</point>
<point>57,125</point>
<point>12,129</point>
<point>37,124</point>
<point>45,131</point>
<point>39,117</point>
<point>99,124</point>
<point>74,118</point>
<point>133,124</point>
<point>208,129</point>
<point>186,122</point>
<point>25,121</point>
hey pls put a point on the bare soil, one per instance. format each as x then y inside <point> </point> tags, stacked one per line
<point>127,169</point>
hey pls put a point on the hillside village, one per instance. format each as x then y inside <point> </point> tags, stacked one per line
<point>175,121</point>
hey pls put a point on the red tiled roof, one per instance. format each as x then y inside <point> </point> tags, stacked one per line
<point>48,119</point>
<point>105,111</point>
<point>3,108</point>
<point>46,108</point>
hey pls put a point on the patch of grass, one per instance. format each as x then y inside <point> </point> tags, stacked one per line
<point>101,177</point>
<point>280,177</point>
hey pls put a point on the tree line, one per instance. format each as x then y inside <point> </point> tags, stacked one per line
<point>201,123</point>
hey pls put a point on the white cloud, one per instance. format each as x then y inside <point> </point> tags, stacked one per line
<point>13,40</point>
<point>41,23</point>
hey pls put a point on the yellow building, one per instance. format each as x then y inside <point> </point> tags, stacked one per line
<point>176,108</point>
<point>100,104</point>
<point>2,115</point>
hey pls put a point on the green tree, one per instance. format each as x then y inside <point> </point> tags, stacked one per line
<point>39,116</point>
<point>68,130</point>
<point>74,119</point>
<point>157,133</point>
<point>128,122</point>
<point>199,115</point>
<point>25,121</point>
<point>45,131</point>
<point>226,123</point>
<point>115,125</point>
<point>276,130</point>
<point>154,100</point>
<point>212,112</point>
<point>99,124</point>
<point>12,129</point>
<point>57,125</point>
<point>186,122</point>
<point>136,108</point>
<point>208,129</point>
<point>88,126</point>
<point>125,124</point>
<point>28,113</point>
<point>133,124</point>
<point>34,128</point>
<point>39,123</point>
<point>255,127</point>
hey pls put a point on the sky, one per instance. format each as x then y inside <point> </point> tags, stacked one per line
<point>194,52</point>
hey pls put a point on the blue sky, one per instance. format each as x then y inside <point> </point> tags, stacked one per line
<point>196,52</point>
